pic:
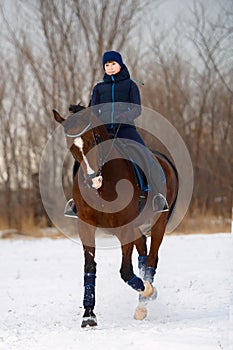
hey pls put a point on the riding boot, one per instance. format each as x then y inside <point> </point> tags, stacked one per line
<point>70,208</point>
<point>157,182</point>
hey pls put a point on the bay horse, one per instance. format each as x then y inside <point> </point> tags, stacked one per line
<point>95,189</point>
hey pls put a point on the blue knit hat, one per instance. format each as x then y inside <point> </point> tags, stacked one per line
<point>112,56</point>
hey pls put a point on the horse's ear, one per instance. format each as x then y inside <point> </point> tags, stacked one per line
<point>58,117</point>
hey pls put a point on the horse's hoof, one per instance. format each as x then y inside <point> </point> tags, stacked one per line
<point>89,322</point>
<point>148,291</point>
<point>89,319</point>
<point>140,313</point>
<point>153,296</point>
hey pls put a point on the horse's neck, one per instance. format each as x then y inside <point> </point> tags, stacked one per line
<point>99,128</point>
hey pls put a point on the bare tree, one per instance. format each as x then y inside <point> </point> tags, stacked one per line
<point>193,90</point>
<point>211,39</point>
<point>52,66</point>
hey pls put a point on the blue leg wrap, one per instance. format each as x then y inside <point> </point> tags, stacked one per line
<point>136,283</point>
<point>142,265</point>
<point>149,274</point>
<point>89,290</point>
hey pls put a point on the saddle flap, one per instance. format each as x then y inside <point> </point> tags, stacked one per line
<point>134,152</point>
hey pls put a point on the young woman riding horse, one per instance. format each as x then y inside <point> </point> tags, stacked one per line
<point>107,96</point>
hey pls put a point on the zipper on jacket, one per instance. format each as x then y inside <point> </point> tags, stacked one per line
<point>113,98</point>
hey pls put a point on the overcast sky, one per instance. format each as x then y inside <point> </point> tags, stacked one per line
<point>163,16</point>
<point>168,9</point>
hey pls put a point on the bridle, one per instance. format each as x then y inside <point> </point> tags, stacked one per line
<point>97,141</point>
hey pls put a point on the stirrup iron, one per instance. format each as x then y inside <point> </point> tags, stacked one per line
<point>159,203</point>
<point>68,211</point>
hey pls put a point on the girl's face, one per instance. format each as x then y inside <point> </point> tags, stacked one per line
<point>112,68</point>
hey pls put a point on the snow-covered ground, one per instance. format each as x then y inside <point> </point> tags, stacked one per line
<point>41,287</point>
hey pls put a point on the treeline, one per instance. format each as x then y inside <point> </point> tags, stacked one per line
<point>51,57</point>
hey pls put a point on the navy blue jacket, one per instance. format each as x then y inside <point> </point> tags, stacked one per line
<point>117,99</point>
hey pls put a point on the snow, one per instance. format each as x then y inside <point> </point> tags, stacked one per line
<point>41,287</point>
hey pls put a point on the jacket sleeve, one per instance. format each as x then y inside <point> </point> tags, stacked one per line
<point>95,101</point>
<point>135,105</point>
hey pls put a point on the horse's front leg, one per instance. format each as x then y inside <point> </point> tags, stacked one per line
<point>126,238</point>
<point>87,236</point>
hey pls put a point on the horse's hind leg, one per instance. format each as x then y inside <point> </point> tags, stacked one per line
<point>140,244</point>
<point>157,234</point>
<point>87,236</point>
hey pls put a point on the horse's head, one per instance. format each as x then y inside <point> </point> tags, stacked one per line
<point>77,122</point>
<point>80,140</point>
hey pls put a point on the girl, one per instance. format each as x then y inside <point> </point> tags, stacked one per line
<point>116,102</point>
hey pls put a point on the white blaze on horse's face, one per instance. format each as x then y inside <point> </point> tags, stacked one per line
<point>79,143</point>
<point>96,181</point>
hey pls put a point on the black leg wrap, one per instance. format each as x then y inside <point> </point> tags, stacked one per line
<point>136,283</point>
<point>142,259</point>
<point>89,285</point>
<point>149,274</point>
<point>89,290</point>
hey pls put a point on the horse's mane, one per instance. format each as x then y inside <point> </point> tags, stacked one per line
<point>76,108</point>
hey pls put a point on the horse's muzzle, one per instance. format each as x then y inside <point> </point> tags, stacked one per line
<point>94,182</point>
